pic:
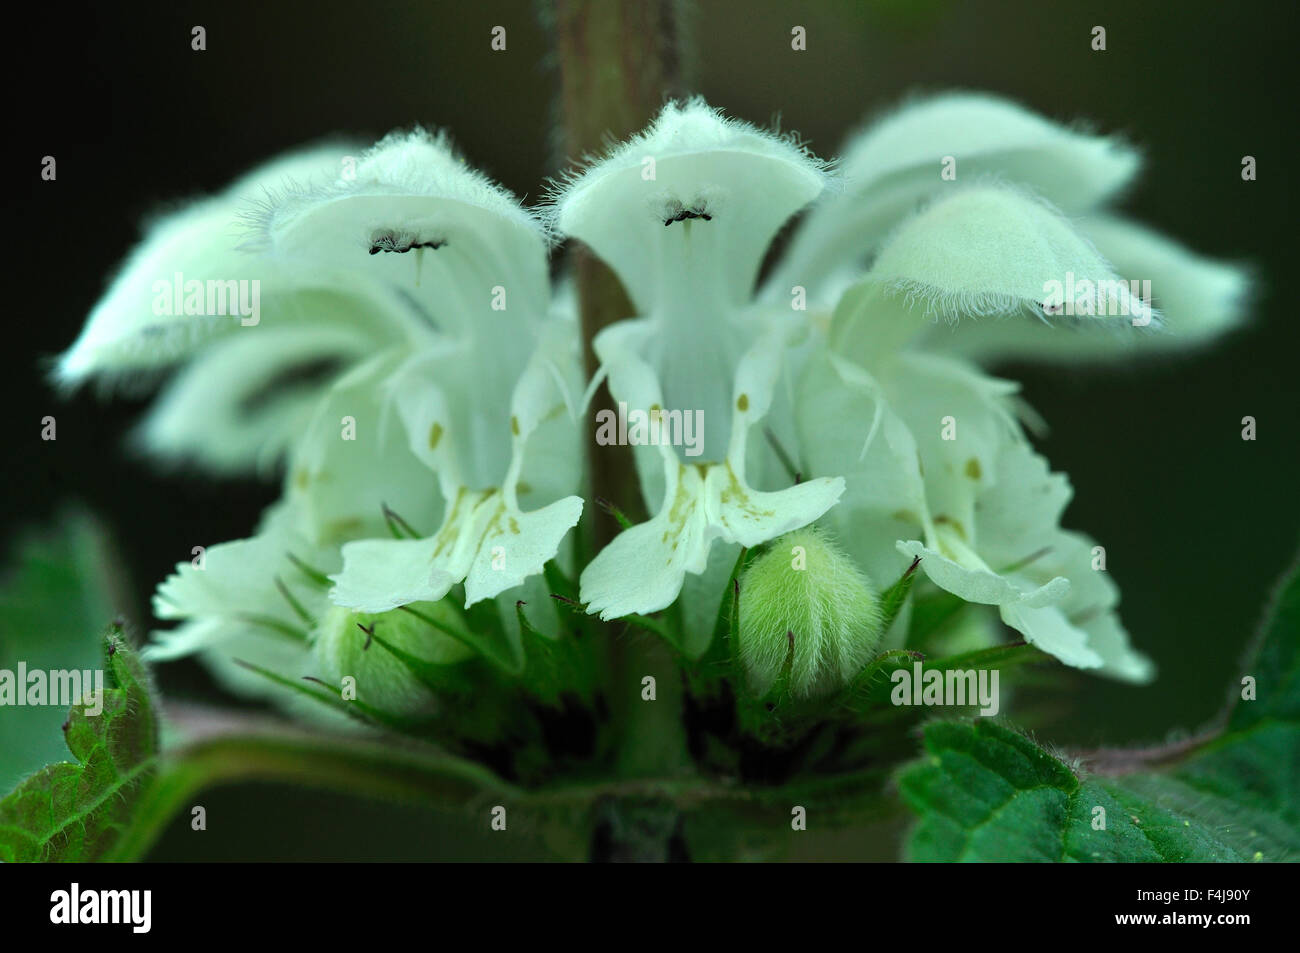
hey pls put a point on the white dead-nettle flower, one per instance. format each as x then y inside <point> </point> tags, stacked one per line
<point>409,301</point>
<point>407,323</point>
<point>253,600</point>
<point>498,375</point>
<point>687,242</point>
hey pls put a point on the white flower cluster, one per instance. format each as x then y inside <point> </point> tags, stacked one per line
<point>423,385</point>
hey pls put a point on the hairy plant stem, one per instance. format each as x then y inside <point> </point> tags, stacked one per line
<point>617,64</point>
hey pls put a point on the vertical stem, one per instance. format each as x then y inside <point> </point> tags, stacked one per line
<point>617,63</point>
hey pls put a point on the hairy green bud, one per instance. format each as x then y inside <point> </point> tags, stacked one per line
<point>805,600</point>
<point>346,646</point>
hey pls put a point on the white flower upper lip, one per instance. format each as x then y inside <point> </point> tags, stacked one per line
<point>691,162</point>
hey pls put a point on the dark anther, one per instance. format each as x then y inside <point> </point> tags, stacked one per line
<point>400,245</point>
<point>685,215</point>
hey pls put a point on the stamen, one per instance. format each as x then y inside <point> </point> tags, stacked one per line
<point>1021,564</point>
<point>782,456</point>
<point>275,625</point>
<point>312,573</point>
<point>614,511</point>
<point>394,521</point>
<point>294,604</point>
<point>1085,616</point>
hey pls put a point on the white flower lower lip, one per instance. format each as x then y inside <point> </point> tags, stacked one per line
<point>485,541</point>
<point>643,569</point>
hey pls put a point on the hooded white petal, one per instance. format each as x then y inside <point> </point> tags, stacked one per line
<point>689,206</point>
<point>898,162</point>
<point>414,217</point>
<point>244,401</point>
<point>149,316</point>
<point>990,250</point>
<point>1199,300</point>
<point>871,323</point>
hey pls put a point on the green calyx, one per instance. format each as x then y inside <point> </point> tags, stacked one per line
<point>376,649</point>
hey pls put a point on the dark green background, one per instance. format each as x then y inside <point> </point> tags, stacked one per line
<point>1197,523</point>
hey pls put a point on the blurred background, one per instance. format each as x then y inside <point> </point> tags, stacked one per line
<point>1197,523</point>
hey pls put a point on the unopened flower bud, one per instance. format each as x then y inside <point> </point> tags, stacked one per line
<point>346,645</point>
<point>805,600</point>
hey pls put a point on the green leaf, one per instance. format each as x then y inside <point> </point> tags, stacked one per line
<point>60,588</point>
<point>1251,772</point>
<point>76,810</point>
<point>985,792</point>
